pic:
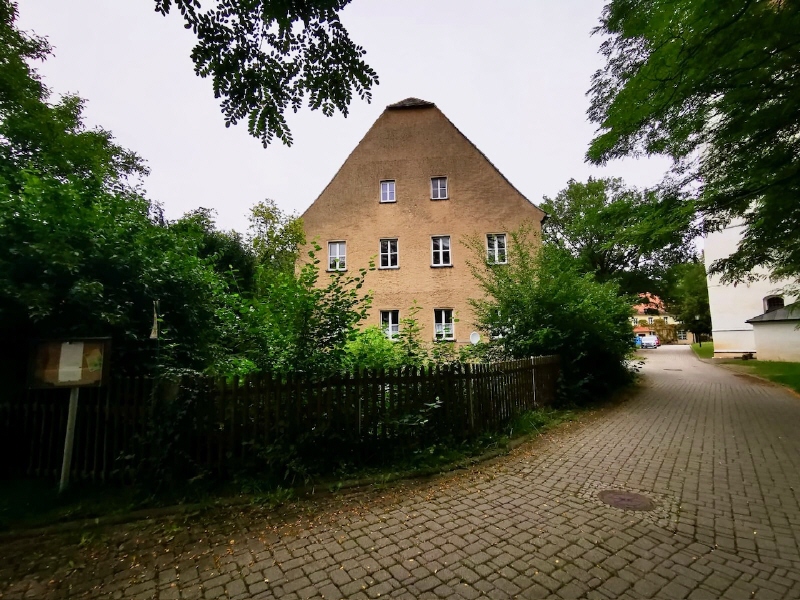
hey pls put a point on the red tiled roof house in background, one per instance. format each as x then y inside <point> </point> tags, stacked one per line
<point>652,318</point>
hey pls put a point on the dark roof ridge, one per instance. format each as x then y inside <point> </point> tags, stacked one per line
<point>412,103</point>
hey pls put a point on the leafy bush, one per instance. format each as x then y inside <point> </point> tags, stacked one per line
<point>540,303</point>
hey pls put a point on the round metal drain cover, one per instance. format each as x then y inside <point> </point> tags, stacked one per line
<point>626,500</point>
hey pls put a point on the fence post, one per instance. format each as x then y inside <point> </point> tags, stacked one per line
<point>470,405</point>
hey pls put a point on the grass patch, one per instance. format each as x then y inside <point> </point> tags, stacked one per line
<point>785,373</point>
<point>706,351</point>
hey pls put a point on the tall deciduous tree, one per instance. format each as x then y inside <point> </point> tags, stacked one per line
<point>619,233</point>
<point>686,296</point>
<point>716,87</point>
<point>265,56</point>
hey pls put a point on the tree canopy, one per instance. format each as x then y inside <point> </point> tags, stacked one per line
<point>620,233</point>
<point>265,57</point>
<point>716,87</point>
<point>686,296</point>
<point>85,253</point>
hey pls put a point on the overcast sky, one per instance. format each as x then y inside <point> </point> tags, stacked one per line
<point>512,75</point>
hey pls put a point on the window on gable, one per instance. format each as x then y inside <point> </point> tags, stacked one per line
<point>389,257</point>
<point>438,188</point>
<point>387,191</point>
<point>337,256</point>
<point>773,303</point>
<point>496,248</point>
<point>390,323</point>
<point>440,249</point>
<point>443,325</point>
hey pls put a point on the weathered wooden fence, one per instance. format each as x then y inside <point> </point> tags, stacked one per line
<point>218,423</point>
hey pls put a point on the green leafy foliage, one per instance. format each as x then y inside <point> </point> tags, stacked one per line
<point>619,233</point>
<point>86,254</point>
<point>265,57</point>
<point>542,303</point>
<point>715,87</point>
<point>686,296</point>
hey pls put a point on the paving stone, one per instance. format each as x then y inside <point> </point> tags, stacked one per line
<point>715,451</point>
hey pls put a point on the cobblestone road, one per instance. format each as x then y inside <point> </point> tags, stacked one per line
<point>718,453</point>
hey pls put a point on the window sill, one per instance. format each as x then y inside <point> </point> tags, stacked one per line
<point>444,339</point>
<point>387,201</point>
<point>441,266</point>
<point>388,268</point>
<point>336,270</point>
<point>437,199</point>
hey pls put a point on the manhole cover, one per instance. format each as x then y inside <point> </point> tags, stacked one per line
<point>626,500</point>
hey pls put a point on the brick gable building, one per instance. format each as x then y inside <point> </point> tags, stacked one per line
<point>408,195</point>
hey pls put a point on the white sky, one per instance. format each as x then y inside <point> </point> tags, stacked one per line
<point>512,75</point>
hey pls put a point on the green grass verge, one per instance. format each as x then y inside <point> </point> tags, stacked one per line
<point>37,503</point>
<point>785,373</point>
<point>706,351</point>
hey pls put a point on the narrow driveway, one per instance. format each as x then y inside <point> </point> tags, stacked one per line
<point>718,454</point>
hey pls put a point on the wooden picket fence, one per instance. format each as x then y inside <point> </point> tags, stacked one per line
<point>217,423</point>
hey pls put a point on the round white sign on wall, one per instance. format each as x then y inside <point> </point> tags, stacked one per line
<point>474,337</point>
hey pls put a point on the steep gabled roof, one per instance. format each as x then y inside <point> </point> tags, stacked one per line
<point>417,103</point>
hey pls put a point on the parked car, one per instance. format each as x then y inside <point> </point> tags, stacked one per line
<point>650,341</point>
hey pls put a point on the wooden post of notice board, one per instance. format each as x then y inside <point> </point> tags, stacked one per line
<point>72,363</point>
<point>69,440</point>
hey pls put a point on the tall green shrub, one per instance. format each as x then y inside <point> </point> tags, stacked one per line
<point>540,303</point>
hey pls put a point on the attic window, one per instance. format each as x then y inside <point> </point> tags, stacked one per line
<point>773,303</point>
<point>387,191</point>
<point>438,188</point>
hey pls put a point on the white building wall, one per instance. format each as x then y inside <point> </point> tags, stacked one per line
<point>732,305</point>
<point>777,340</point>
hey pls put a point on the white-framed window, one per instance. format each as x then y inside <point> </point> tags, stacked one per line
<point>387,191</point>
<point>666,319</point>
<point>650,320</point>
<point>389,256</point>
<point>440,251</point>
<point>337,256</point>
<point>438,188</point>
<point>681,334</point>
<point>496,248</point>
<point>390,323</point>
<point>443,325</point>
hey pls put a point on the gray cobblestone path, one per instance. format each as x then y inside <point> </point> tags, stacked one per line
<point>719,453</point>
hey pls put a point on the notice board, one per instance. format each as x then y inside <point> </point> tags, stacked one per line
<point>78,362</point>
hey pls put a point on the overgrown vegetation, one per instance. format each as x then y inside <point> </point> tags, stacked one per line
<point>28,504</point>
<point>543,302</point>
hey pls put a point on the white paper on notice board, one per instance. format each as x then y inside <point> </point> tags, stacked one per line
<point>71,361</point>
